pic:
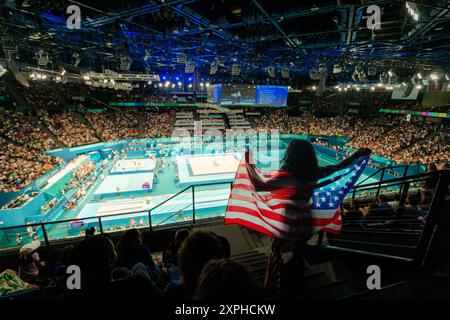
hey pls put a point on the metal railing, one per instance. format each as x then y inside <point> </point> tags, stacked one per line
<point>389,170</point>
<point>186,203</point>
<point>421,233</point>
<point>48,231</point>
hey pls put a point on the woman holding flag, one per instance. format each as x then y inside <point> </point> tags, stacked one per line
<point>299,200</point>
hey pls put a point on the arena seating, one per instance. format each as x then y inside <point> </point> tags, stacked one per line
<point>390,236</point>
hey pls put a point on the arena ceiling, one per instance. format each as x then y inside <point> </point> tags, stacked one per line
<point>255,34</point>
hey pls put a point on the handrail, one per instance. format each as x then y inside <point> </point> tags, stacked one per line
<point>180,192</point>
<point>389,167</point>
<point>368,186</point>
<point>111,215</point>
<point>395,181</point>
<point>173,215</point>
<point>170,198</point>
<point>417,176</point>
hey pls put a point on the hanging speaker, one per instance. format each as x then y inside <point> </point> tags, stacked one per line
<point>181,59</point>
<point>314,74</point>
<point>285,73</point>
<point>235,70</point>
<point>393,79</point>
<point>189,68</point>
<point>337,68</point>
<point>214,68</point>
<point>125,63</point>
<point>384,78</point>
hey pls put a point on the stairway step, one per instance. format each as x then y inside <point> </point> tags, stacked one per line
<point>398,250</point>
<point>328,291</point>
<point>316,279</point>
<point>244,254</point>
<point>258,266</point>
<point>250,259</point>
<point>399,290</point>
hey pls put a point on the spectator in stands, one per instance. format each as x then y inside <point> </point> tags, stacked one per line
<point>89,232</point>
<point>301,162</point>
<point>428,186</point>
<point>444,166</point>
<point>170,257</point>
<point>353,211</point>
<point>367,210</point>
<point>382,202</point>
<point>395,203</point>
<point>29,262</point>
<point>198,248</point>
<point>137,258</point>
<point>412,207</point>
<point>57,264</point>
<point>95,255</point>
<point>225,280</point>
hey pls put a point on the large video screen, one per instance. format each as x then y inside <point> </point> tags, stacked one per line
<point>248,95</point>
<point>238,94</point>
<point>214,93</point>
<point>275,96</point>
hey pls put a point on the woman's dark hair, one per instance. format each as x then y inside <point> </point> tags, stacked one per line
<point>198,248</point>
<point>226,280</point>
<point>301,161</point>
<point>95,255</point>
<point>131,239</point>
<point>382,198</point>
<point>180,236</point>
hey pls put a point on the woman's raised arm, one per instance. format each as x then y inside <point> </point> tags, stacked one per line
<point>326,171</point>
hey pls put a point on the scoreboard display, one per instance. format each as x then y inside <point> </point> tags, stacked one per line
<point>248,95</point>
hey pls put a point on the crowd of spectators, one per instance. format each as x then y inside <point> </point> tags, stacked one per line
<point>195,265</point>
<point>68,128</point>
<point>22,159</point>
<point>104,125</point>
<point>21,129</point>
<point>24,137</point>
<point>80,182</point>
<point>157,124</point>
<point>131,123</point>
<point>126,123</point>
<point>21,165</point>
<point>273,120</point>
<point>435,149</point>
<point>389,136</point>
<point>83,170</point>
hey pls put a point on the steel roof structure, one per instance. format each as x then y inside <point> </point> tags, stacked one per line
<point>160,35</point>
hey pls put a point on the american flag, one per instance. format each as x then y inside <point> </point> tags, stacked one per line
<point>276,205</point>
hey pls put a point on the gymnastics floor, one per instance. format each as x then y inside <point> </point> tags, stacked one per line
<point>125,184</point>
<point>207,168</point>
<point>133,165</point>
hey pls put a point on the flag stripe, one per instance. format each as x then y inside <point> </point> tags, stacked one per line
<point>276,205</point>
